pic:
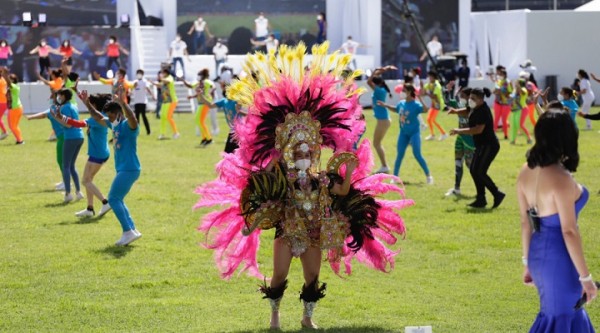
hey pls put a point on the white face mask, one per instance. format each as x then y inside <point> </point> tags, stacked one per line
<point>463,102</point>
<point>140,76</point>
<point>560,97</point>
<point>319,17</point>
<point>3,44</point>
<point>59,100</point>
<point>65,44</point>
<point>303,164</point>
<point>178,39</point>
<point>472,104</point>
<point>115,122</point>
<point>43,43</point>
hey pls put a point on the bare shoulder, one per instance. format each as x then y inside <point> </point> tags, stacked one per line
<point>560,182</point>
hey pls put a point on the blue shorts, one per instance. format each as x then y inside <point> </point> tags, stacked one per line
<point>381,113</point>
<point>97,160</point>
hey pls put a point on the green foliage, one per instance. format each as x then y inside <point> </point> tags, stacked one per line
<point>459,270</point>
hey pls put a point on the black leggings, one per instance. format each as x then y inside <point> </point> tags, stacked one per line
<point>111,61</point>
<point>141,109</point>
<point>44,66</point>
<point>482,159</point>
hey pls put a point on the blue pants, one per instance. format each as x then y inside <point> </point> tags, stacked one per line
<point>174,69</point>
<point>200,43</point>
<point>118,190</point>
<point>414,139</point>
<point>70,151</point>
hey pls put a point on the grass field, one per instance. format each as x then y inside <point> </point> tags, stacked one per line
<point>459,269</point>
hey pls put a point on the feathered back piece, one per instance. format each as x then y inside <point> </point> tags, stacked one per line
<point>284,84</point>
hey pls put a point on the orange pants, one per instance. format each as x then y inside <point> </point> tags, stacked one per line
<point>431,120</point>
<point>14,116</point>
<point>166,111</point>
<point>531,111</point>
<point>201,114</point>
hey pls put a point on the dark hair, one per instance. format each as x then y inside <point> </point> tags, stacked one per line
<point>100,100</point>
<point>165,71</point>
<point>66,41</point>
<point>113,37</point>
<point>14,78</point>
<point>567,91</point>
<point>112,107</point>
<point>466,91</point>
<point>481,92</point>
<point>73,76</point>
<point>410,90</point>
<point>523,83</point>
<point>66,92</point>
<point>324,16</point>
<point>434,74</point>
<point>56,72</point>
<point>500,68</point>
<point>583,74</point>
<point>140,71</point>
<point>417,70</point>
<point>555,141</point>
<point>122,71</point>
<point>378,81</point>
<point>502,71</point>
<point>204,73</point>
<point>3,41</point>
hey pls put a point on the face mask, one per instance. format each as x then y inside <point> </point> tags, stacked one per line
<point>43,43</point>
<point>3,44</point>
<point>472,104</point>
<point>199,19</point>
<point>111,41</point>
<point>463,102</point>
<point>59,100</point>
<point>115,122</point>
<point>140,76</point>
<point>560,97</point>
<point>302,165</point>
<point>178,39</point>
<point>319,18</point>
<point>65,44</point>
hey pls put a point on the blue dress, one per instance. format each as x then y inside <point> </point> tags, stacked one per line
<point>556,278</point>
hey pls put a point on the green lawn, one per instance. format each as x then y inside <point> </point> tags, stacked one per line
<point>459,270</point>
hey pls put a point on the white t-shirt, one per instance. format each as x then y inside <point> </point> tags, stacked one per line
<point>589,94</point>
<point>226,77</point>
<point>177,48</point>
<point>434,48</point>
<point>220,51</point>
<point>417,82</point>
<point>271,44</point>
<point>350,46</point>
<point>199,25</point>
<point>262,27</point>
<point>139,95</point>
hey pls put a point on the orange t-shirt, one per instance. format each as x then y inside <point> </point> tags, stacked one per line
<point>56,84</point>
<point>3,91</point>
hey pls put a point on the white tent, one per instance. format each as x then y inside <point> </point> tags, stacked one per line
<point>592,6</point>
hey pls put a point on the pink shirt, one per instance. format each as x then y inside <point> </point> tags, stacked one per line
<point>43,51</point>
<point>4,52</point>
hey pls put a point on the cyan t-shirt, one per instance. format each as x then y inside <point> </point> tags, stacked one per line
<point>409,112</point>
<point>69,110</point>
<point>573,107</point>
<point>229,108</point>
<point>97,139</point>
<point>125,145</point>
<point>380,94</point>
<point>56,126</point>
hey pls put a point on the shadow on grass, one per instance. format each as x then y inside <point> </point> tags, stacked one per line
<point>352,329</point>
<point>117,252</point>
<point>56,204</point>
<point>471,210</point>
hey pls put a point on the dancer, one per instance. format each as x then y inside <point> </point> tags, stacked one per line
<point>464,147</point>
<point>71,80</point>
<point>177,51</point>
<point>380,93</point>
<point>587,94</point>
<point>486,147</point>
<point>502,91</point>
<point>66,51</point>
<point>15,107</point>
<point>270,43</point>
<point>274,180</point>
<point>261,27</point>
<point>72,144</point>
<point>55,83</point>
<point>322,28</point>
<point>5,53</point>
<point>113,51</point>
<point>550,201</point>
<point>206,88</point>
<point>125,129</point>
<point>200,27</point>
<point>518,106</point>
<point>141,90</point>
<point>433,89</point>
<point>3,103</point>
<point>98,153</point>
<point>43,51</point>
<point>169,103</point>
<point>410,131</point>
<point>531,101</point>
<point>120,79</point>
<point>566,96</point>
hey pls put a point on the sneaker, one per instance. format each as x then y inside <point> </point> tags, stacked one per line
<point>20,142</point>
<point>429,138</point>
<point>383,169</point>
<point>137,232</point>
<point>79,196</point>
<point>529,141</point>
<point>478,204</point>
<point>52,137</point>
<point>162,137</point>
<point>3,136</point>
<point>85,213</point>
<point>429,180</point>
<point>59,186</point>
<point>127,238</point>
<point>443,137</point>
<point>453,191</point>
<point>68,198</point>
<point>207,142</point>
<point>498,198</point>
<point>176,136</point>
<point>105,209</point>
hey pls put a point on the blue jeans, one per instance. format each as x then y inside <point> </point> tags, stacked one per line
<point>414,139</point>
<point>70,151</point>
<point>200,43</point>
<point>120,187</point>
<point>217,64</point>
<point>180,61</point>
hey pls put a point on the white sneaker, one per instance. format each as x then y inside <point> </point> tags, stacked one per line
<point>60,186</point>
<point>85,213</point>
<point>161,137</point>
<point>68,198</point>
<point>176,136</point>
<point>105,209</point>
<point>127,238</point>
<point>423,127</point>
<point>52,137</point>
<point>429,180</point>
<point>443,137</point>
<point>79,196</point>
<point>429,138</point>
<point>3,136</point>
<point>383,169</point>
<point>137,232</point>
<point>452,191</point>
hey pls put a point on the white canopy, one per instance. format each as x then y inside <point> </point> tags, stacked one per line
<point>592,6</point>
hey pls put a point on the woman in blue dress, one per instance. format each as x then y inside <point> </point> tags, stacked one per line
<point>550,201</point>
<point>322,25</point>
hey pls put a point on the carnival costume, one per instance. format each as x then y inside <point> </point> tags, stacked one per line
<point>292,108</point>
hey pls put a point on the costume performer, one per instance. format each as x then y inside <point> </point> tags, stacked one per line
<point>275,181</point>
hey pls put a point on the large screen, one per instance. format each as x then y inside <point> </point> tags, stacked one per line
<point>60,12</point>
<point>233,21</point>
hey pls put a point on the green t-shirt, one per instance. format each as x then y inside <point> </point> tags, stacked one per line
<point>71,85</point>
<point>208,87</point>
<point>15,95</point>
<point>168,90</point>
<point>436,90</point>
